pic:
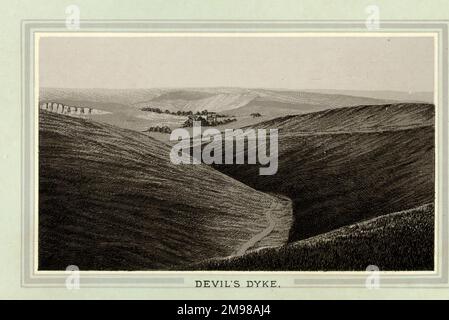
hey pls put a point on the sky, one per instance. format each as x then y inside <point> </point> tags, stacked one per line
<point>341,63</point>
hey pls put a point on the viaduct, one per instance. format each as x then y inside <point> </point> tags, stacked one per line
<point>64,109</point>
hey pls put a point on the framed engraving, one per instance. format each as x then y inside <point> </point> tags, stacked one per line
<point>234,154</point>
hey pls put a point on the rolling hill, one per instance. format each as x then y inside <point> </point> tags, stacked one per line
<point>242,101</point>
<point>283,102</point>
<point>185,100</point>
<point>110,199</point>
<point>360,118</point>
<point>354,187</point>
<point>404,96</point>
<point>123,106</point>
<point>346,165</point>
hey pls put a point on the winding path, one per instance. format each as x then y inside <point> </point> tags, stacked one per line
<point>251,242</point>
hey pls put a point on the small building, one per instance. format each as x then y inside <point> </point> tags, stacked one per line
<point>211,118</point>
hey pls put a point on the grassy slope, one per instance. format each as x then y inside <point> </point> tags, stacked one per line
<point>316,98</point>
<point>241,102</point>
<point>268,107</point>
<point>124,104</point>
<point>397,241</point>
<point>336,179</point>
<point>360,118</point>
<point>293,102</point>
<point>416,96</point>
<point>110,199</point>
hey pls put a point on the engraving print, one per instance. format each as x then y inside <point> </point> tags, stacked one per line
<point>236,153</point>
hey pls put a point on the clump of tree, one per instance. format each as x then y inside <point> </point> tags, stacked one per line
<point>182,113</point>
<point>203,112</point>
<point>255,115</point>
<point>166,111</point>
<point>225,121</point>
<point>151,109</point>
<point>206,120</point>
<point>195,117</point>
<point>163,129</point>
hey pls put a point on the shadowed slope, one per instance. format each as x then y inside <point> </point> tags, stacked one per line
<point>349,164</point>
<point>360,118</point>
<point>398,241</point>
<point>110,199</point>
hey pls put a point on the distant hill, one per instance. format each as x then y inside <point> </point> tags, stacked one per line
<point>246,101</point>
<point>265,106</point>
<point>346,165</point>
<point>110,199</point>
<point>359,118</point>
<point>242,100</point>
<point>124,97</point>
<point>300,103</point>
<point>397,241</point>
<point>197,101</point>
<point>420,96</point>
<point>315,98</point>
<point>123,107</point>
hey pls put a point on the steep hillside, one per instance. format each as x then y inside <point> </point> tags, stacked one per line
<point>404,96</point>
<point>110,199</point>
<point>359,118</point>
<point>347,174</point>
<point>331,100</point>
<point>191,101</point>
<point>283,102</point>
<point>399,241</point>
<point>241,102</point>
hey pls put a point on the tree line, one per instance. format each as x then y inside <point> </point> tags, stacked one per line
<point>181,113</point>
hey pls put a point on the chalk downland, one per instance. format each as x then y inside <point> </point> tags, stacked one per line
<point>346,165</point>
<point>110,199</point>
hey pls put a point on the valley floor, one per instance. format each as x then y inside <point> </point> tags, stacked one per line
<point>398,241</point>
